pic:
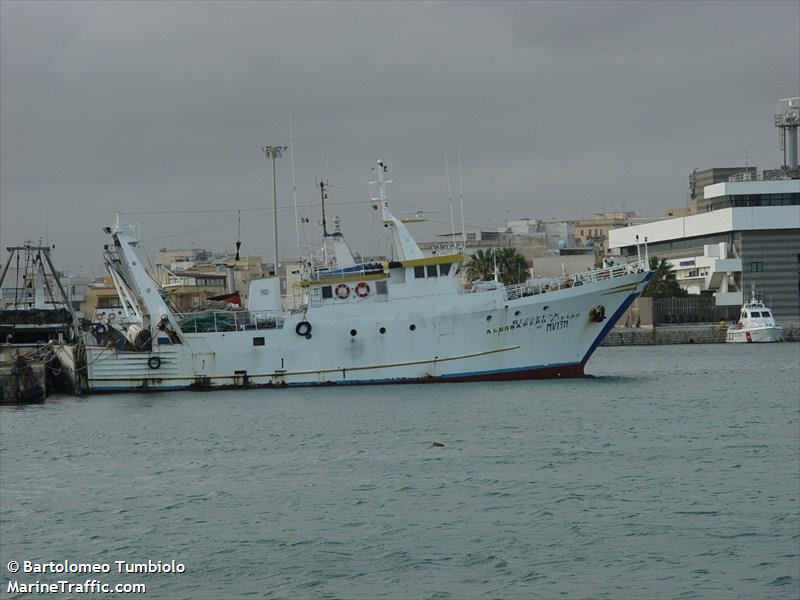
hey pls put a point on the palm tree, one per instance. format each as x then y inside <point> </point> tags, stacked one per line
<point>481,265</point>
<point>664,284</point>
<point>511,265</point>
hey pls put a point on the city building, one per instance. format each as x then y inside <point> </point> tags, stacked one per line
<point>699,179</point>
<point>745,233</point>
<point>593,232</point>
<point>752,238</point>
<point>191,277</point>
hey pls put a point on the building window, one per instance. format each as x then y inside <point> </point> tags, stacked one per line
<point>471,237</point>
<point>756,267</point>
<point>108,303</point>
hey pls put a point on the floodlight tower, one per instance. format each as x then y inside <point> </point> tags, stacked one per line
<point>788,120</point>
<point>274,152</point>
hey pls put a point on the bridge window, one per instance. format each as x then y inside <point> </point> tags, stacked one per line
<point>432,271</point>
<point>419,272</point>
<point>444,269</point>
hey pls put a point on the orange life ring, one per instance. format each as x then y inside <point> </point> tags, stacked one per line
<point>342,291</point>
<point>362,289</point>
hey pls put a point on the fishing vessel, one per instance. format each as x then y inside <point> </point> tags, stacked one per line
<point>405,320</point>
<point>35,314</point>
<point>755,324</point>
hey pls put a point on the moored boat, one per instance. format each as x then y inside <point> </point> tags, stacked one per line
<point>407,320</point>
<point>756,324</point>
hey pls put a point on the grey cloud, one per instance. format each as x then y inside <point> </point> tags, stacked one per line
<point>560,108</point>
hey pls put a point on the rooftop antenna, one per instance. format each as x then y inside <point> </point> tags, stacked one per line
<point>294,187</point>
<point>238,232</point>
<point>273,152</point>
<point>450,200</point>
<point>461,200</point>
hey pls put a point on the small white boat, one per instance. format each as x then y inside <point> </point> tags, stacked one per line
<point>756,324</point>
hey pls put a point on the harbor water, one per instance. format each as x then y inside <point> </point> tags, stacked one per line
<point>673,472</point>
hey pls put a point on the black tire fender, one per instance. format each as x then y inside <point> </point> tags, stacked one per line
<point>154,362</point>
<point>303,329</point>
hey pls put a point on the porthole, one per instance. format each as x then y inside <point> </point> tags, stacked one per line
<point>412,327</point>
<point>516,313</point>
<point>353,332</point>
<point>488,317</point>
<point>382,330</point>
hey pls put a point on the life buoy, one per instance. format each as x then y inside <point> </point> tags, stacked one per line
<point>342,291</point>
<point>362,289</point>
<point>303,329</point>
<point>154,362</point>
<point>112,316</point>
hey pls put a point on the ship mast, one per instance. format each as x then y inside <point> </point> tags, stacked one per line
<point>405,245</point>
<point>274,152</point>
<point>324,194</point>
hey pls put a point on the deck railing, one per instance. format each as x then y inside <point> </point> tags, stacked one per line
<point>233,320</point>
<point>542,286</point>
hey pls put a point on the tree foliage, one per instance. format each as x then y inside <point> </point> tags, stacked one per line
<point>511,265</point>
<point>663,284</point>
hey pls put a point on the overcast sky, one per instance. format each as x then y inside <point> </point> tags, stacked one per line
<point>560,110</point>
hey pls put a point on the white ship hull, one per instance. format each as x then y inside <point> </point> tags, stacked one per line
<point>456,337</point>
<point>755,335</point>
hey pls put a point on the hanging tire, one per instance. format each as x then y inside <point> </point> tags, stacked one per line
<point>154,362</point>
<point>303,329</point>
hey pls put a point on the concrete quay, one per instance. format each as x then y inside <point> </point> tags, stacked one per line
<point>694,333</point>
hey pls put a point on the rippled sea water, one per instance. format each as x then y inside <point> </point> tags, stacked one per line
<point>674,472</point>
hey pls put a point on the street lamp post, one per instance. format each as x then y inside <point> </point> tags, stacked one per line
<point>274,152</point>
